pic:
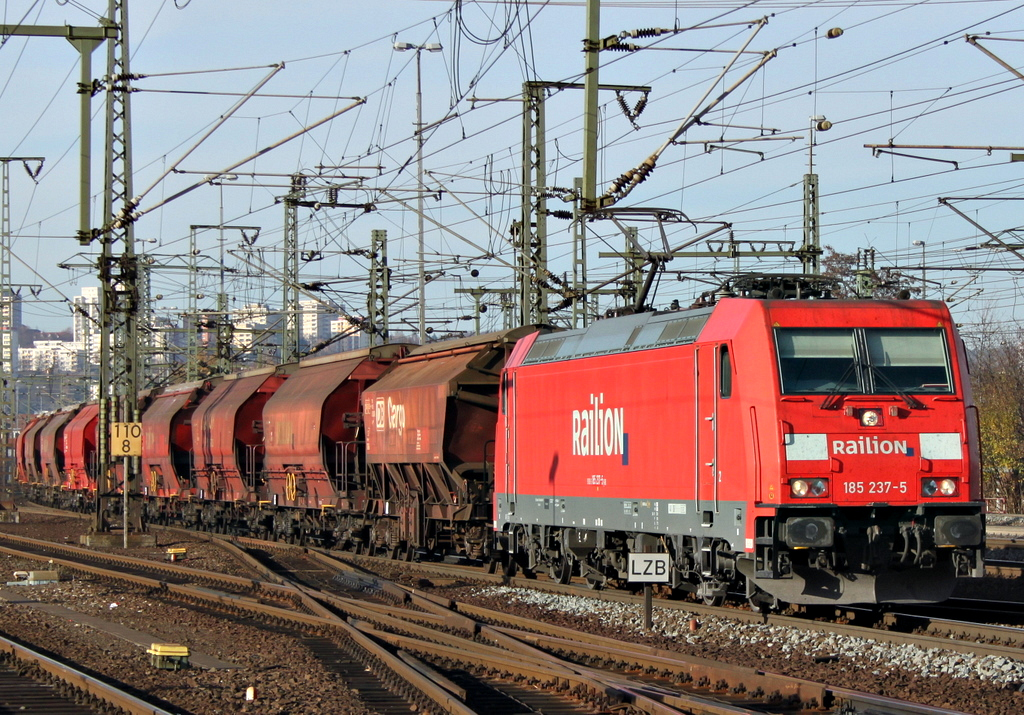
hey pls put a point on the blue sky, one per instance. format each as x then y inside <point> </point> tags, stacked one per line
<point>901,71</point>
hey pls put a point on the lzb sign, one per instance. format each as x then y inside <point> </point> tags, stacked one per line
<point>648,568</point>
<point>126,439</point>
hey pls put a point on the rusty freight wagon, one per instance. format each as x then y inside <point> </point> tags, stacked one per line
<point>430,445</point>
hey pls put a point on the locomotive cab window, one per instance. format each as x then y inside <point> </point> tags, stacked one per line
<point>724,372</point>
<point>881,361</point>
<point>817,360</point>
<point>906,360</point>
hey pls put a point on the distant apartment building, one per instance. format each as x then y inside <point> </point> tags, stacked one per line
<point>52,356</point>
<point>314,323</point>
<point>352,337</point>
<point>76,356</point>
<point>85,323</point>
<point>166,342</point>
<point>251,336</point>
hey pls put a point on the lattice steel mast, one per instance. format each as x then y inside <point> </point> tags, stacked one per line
<point>119,295</point>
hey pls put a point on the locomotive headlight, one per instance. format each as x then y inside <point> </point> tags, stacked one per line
<point>943,487</point>
<point>801,488</point>
<point>869,418</point>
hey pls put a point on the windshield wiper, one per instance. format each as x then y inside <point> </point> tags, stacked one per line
<point>912,402</point>
<point>833,395</point>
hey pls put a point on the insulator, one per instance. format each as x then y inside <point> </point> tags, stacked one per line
<point>641,105</point>
<point>834,33</point>
<point>622,47</point>
<point>622,104</point>
<point>647,32</point>
<point>567,215</point>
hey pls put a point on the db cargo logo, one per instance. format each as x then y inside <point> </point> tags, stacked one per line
<point>598,430</point>
<point>388,414</point>
<point>871,445</point>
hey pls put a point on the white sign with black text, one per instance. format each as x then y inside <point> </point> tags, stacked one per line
<point>648,568</point>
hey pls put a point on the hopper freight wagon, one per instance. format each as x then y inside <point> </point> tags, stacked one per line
<point>430,426</point>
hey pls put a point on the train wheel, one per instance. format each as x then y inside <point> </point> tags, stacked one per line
<point>509,567</point>
<point>560,569</point>
<point>594,583</point>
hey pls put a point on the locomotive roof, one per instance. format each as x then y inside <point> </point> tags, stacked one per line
<point>641,331</point>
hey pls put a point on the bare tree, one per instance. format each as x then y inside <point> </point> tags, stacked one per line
<point>856,276</point>
<point>997,375</point>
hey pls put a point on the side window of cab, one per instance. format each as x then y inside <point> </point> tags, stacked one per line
<point>724,372</point>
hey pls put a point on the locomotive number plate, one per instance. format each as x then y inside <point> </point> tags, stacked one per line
<point>876,487</point>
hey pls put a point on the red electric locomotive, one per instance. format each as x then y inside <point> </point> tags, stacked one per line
<point>806,451</point>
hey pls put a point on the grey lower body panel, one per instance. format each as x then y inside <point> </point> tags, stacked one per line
<point>722,520</point>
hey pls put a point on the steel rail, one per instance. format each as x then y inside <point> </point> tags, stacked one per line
<point>94,687</point>
<point>413,677</point>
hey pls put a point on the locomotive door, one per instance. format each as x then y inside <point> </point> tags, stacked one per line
<point>705,382</point>
<point>505,471</point>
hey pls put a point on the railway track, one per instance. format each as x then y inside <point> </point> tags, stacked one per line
<point>964,620</point>
<point>968,620</point>
<point>33,683</point>
<point>964,626</point>
<point>329,583</point>
<point>453,651</point>
<point>668,679</point>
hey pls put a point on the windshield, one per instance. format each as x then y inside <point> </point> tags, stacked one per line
<point>880,361</point>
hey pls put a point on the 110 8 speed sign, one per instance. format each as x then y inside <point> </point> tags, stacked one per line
<point>126,439</point>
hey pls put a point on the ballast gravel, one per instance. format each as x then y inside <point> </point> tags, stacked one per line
<point>877,657</point>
